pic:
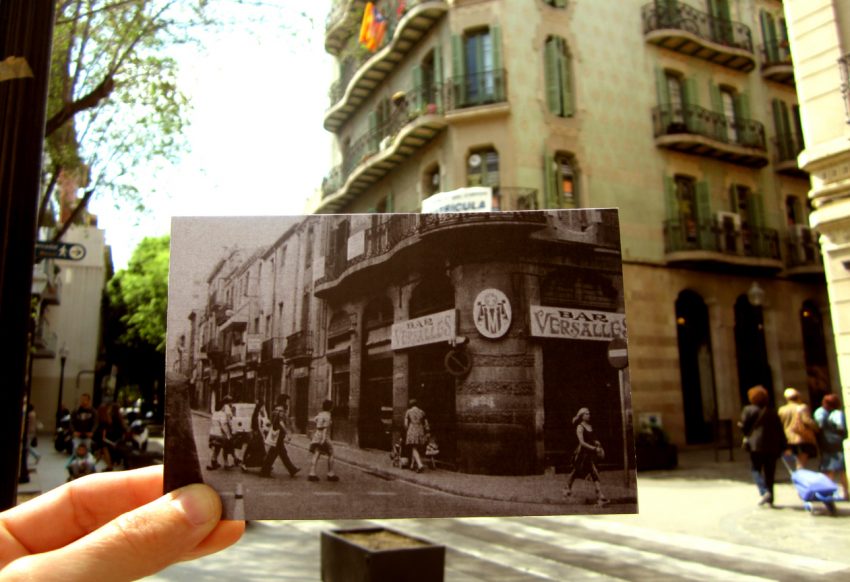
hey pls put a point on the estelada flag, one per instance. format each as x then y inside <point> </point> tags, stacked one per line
<point>366,24</point>
<point>373,28</point>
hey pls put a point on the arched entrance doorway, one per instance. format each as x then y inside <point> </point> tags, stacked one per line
<point>753,367</point>
<point>699,396</point>
<point>814,349</point>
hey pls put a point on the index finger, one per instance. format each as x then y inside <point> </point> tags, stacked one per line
<point>67,513</point>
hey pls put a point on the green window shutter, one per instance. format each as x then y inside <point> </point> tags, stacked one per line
<point>704,217</point>
<point>742,117</point>
<point>798,127</point>
<point>781,129</point>
<point>438,78</point>
<point>497,74</point>
<point>768,33</point>
<point>373,133</point>
<point>670,203</point>
<point>418,101</point>
<point>458,72</point>
<point>550,61</point>
<point>717,107</point>
<point>566,81</point>
<point>549,181</point>
<point>690,96</point>
<point>663,95</point>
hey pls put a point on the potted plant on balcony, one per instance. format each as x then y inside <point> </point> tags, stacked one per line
<point>379,554</point>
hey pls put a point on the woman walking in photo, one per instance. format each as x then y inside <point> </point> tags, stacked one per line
<point>417,432</point>
<point>585,456</point>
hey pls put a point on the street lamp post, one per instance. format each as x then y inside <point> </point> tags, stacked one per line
<point>63,356</point>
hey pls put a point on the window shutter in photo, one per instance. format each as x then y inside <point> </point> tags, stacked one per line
<point>553,88</point>
<point>798,126</point>
<point>458,73</point>
<point>768,32</point>
<point>717,107</point>
<point>693,119</point>
<point>742,117</point>
<point>704,217</point>
<point>663,94</point>
<point>780,123</point>
<point>498,74</point>
<point>566,79</point>
<point>418,89</point>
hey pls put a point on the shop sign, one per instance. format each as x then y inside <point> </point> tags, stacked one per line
<point>253,343</point>
<point>473,199</point>
<point>428,329</point>
<point>581,324</point>
<point>492,313</point>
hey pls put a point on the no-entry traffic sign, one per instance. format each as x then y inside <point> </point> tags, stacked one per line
<point>618,353</point>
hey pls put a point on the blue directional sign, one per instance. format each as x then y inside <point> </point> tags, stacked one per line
<point>59,250</point>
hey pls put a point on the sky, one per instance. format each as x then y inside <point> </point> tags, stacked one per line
<point>258,97</point>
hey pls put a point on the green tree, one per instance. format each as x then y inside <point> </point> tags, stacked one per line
<point>140,294</point>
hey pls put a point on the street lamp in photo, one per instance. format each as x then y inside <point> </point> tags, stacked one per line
<point>755,295</point>
<point>63,357</point>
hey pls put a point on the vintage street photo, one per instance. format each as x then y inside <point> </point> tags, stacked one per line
<point>401,365</point>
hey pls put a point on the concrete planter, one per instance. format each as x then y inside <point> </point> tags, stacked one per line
<point>379,555</point>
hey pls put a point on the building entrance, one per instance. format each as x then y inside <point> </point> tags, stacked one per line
<point>376,405</point>
<point>302,387</point>
<point>696,368</point>
<point>434,388</point>
<point>577,374</point>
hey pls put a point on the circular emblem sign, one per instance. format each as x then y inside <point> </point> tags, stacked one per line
<point>492,313</point>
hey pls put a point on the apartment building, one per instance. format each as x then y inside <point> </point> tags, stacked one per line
<point>683,114</point>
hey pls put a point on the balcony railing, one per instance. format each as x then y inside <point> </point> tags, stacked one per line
<point>298,345</point>
<point>788,147</point>
<point>272,349</point>
<point>473,89</point>
<point>714,237</point>
<point>693,119</point>
<point>802,249</point>
<point>776,53</point>
<point>664,16</point>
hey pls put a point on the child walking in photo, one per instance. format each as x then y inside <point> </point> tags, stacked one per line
<point>321,443</point>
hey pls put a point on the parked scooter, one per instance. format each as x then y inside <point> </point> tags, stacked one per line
<point>64,439</point>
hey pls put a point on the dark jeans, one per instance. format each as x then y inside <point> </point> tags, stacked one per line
<point>274,453</point>
<point>763,466</point>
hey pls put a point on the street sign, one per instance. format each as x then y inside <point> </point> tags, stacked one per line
<point>618,353</point>
<point>59,250</point>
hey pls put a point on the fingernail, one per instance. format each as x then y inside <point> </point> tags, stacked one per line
<point>197,502</point>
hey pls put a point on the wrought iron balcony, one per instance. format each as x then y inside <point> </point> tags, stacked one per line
<point>299,345</point>
<point>272,349</point>
<point>699,131</point>
<point>776,62</point>
<point>697,241</point>
<point>474,89</point>
<point>844,67</point>
<point>414,121</point>
<point>363,72</point>
<point>802,251</point>
<point>341,21</point>
<point>681,28</point>
<point>788,147</point>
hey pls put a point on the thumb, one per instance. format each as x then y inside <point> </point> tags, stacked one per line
<point>133,545</point>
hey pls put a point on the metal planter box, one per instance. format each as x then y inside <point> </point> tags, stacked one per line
<point>380,555</point>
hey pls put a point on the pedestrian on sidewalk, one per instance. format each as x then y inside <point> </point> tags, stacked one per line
<point>221,435</point>
<point>764,438</point>
<point>254,451</point>
<point>417,434</point>
<point>584,458</point>
<point>321,443</point>
<point>81,463</point>
<point>800,428</point>
<point>33,425</point>
<point>84,422</point>
<point>276,439</point>
<point>833,431</point>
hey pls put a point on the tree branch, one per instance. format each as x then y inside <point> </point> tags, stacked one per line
<point>42,207</point>
<point>69,110</point>
<point>76,212</point>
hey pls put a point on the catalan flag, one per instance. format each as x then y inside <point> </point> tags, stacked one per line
<point>372,28</point>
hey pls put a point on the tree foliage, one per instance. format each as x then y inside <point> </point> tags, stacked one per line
<point>138,295</point>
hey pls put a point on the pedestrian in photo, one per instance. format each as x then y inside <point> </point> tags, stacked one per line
<point>84,422</point>
<point>221,435</point>
<point>254,451</point>
<point>81,463</point>
<point>588,451</point>
<point>321,443</point>
<point>833,430</point>
<point>276,437</point>
<point>764,439</point>
<point>417,432</point>
<point>800,428</point>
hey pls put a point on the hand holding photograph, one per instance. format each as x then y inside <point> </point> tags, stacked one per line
<point>401,365</point>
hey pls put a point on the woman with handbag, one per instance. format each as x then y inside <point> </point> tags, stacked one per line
<point>585,456</point>
<point>764,438</point>
<point>800,428</point>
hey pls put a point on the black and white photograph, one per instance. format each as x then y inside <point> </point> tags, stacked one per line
<point>400,365</point>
